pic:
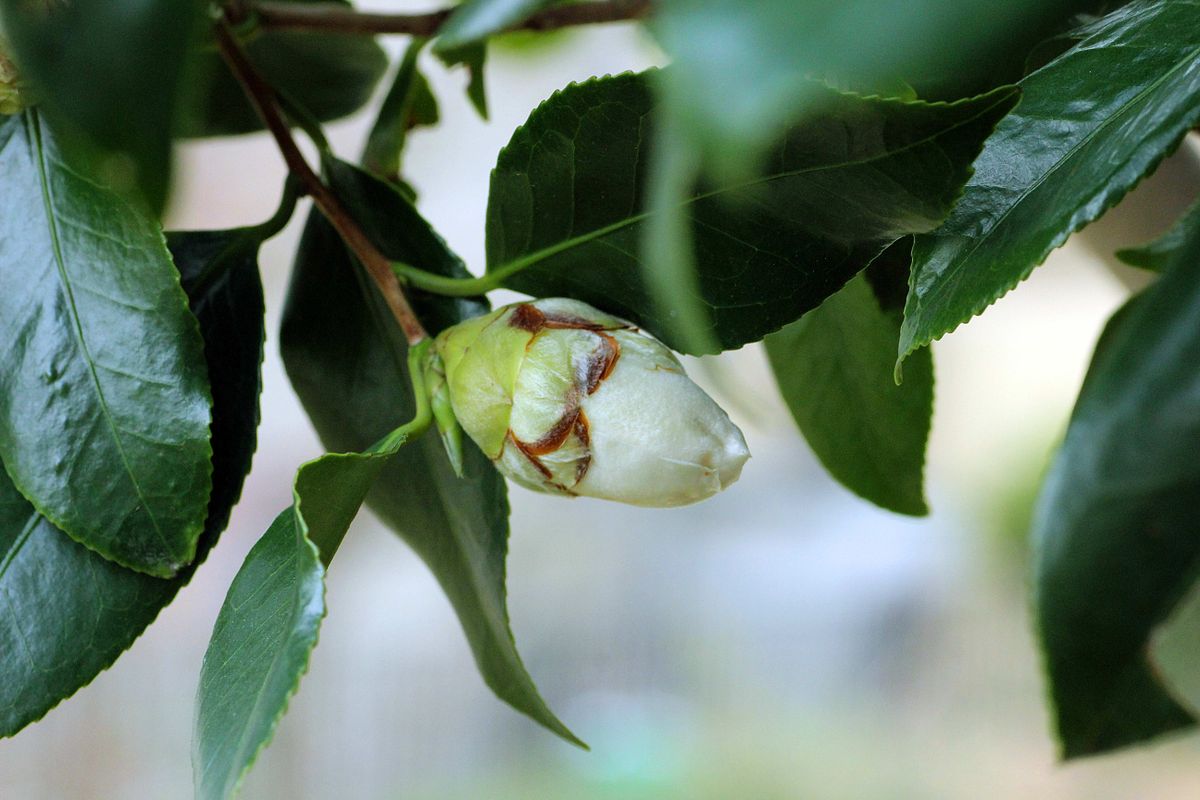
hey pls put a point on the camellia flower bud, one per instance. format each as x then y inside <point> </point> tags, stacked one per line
<point>567,399</point>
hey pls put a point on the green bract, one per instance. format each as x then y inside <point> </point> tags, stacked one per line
<point>567,399</point>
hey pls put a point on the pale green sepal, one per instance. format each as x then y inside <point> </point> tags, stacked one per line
<point>481,373</point>
<point>443,412</point>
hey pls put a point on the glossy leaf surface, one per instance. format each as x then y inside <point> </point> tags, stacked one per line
<point>1115,529</point>
<point>112,71</point>
<point>346,359</point>
<point>1091,124</point>
<point>55,593</point>
<point>569,195</point>
<point>834,368</point>
<point>104,396</point>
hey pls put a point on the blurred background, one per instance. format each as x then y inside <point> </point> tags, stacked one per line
<point>783,640</point>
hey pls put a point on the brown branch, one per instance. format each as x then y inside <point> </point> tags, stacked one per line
<point>336,18</point>
<point>378,266</point>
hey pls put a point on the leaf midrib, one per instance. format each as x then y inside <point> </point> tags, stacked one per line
<point>531,259</point>
<point>47,200</point>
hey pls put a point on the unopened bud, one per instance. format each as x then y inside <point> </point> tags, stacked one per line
<point>567,399</point>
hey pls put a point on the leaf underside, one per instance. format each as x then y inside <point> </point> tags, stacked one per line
<point>834,368</point>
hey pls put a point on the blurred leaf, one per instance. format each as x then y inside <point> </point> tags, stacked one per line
<point>1115,528</point>
<point>741,70</point>
<point>329,75</point>
<point>58,593</point>
<point>408,104</point>
<point>1077,143</point>
<point>346,359</point>
<point>104,395</point>
<point>1157,255</point>
<point>1175,653</point>
<point>268,625</point>
<point>834,367</point>
<point>110,71</point>
<point>476,20</point>
<point>474,57</point>
<point>569,197</point>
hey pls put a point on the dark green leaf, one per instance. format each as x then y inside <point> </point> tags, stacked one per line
<point>1092,123</point>
<point>104,397</point>
<point>268,626</point>
<point>329,75</point>
<point>740,70</point>
<point>1115,529</point>
<point>110,71</point>
<point>476,20</point>
<point>834,367</point>
<point>346,358</point>
<point>408,104</point>
<point>1157,255</point>
<point>569,195</point>
<point>56,594</point>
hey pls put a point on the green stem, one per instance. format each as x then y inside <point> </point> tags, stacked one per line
<point>458,287</point>
<point>424,414</point>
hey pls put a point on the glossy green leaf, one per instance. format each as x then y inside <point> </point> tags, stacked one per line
<point>55,594</point>
<point>1115,528</point>
<point>329,75</point>
<point>1092,123</point>
<point>268,625</point>
<point>741,70</point>
<point>569,197</point>
<point>409,103</point>
<point>112,72</point>
<point>346,359</point>
<point>476,20</point>
<point>834,367</point>
<point>104,397</point>
<point>1157,255</point>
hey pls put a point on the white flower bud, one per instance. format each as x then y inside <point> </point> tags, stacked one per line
<point>567,399</point>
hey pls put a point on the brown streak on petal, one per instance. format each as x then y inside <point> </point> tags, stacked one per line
<point>533,459</point>
<point>528,318</point>
<point>556,436</point>
<point>583,431</point>
<point>602,362</point>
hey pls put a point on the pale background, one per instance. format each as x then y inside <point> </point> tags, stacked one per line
<point>783,640</point>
